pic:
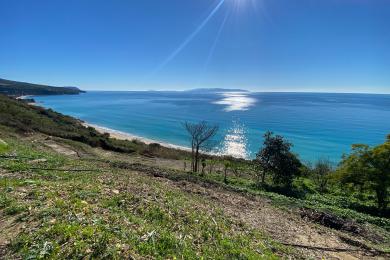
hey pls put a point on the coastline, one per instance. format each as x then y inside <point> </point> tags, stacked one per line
<point>119,134</point>
<point>23,97</point>
<point>130,137</point>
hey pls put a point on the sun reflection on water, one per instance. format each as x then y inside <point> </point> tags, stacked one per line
<point>235,142</point>
<point>236,101</point>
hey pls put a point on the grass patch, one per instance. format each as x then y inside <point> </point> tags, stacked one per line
<point>116,214</point>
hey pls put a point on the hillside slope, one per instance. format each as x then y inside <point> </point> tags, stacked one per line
<point>16,88</point>
<point>60,198</point>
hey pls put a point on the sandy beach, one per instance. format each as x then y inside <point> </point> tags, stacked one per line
<point>127,136</point>
<point>23,97</point>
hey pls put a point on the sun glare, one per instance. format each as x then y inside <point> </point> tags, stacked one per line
<point>239,5</point>
<point>236,6</point>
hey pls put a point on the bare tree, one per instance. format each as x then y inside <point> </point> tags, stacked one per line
<point>201,135</point>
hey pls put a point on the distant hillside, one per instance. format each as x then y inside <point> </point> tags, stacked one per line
<point>16,88</point>
<point>24,118</point>
<point>27,119</point>
<point>216,90</point>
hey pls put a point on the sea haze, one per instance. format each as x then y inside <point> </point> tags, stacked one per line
<point>319,125</point>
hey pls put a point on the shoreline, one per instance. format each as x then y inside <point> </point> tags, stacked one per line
<point>120,135</point>
<point>131,137</point>
<point>24,97</point>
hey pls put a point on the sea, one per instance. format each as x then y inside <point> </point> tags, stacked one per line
<point>319,125</point>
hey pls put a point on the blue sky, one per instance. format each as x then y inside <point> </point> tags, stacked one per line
<point>265,45</point>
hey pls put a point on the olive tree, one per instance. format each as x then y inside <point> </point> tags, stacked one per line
<point>369,168</point>
<point>211,165</point>
<point>276,158</point>
<point>321,171</point>
<point>226,165</point>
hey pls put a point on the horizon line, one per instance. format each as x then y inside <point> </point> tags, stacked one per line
<point>200,88</point>
<point>236,90</point>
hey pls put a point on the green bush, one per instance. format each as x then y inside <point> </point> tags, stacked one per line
<point>3,146</point>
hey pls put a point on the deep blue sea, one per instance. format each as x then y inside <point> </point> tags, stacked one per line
<point>318,125</point>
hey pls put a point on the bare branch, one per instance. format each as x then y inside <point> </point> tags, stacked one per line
<point>200,134</point>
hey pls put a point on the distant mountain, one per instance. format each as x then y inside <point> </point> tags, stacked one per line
<point>16,88</point>
<point>216,90</point>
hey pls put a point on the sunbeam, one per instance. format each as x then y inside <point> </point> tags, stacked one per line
<point>211,53</point>
<point>191,36</point>
<point>234,6</point>
<point>213,47</point>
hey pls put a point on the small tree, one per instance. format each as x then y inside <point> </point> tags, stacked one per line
<point>211,163</point>
<point>321,172</point>
<point>185,165</point>
<point>203,165</point>
<point>237,167</point>
<point>226,166</point>
<point>201,135</point>
<point>275,157</point>
<point>369,169</point>
<point>258,172</point>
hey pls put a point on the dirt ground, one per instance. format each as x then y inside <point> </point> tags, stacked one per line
<point>283,226</point>
<point>60,148</point>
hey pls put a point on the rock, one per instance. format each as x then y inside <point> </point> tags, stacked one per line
<point>38,160</point>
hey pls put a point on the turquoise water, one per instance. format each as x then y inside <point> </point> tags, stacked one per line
<point>319,125</point>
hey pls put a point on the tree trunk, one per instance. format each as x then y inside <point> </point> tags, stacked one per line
<point>381,194</point>
<point>196,159</point>
<point>263,178</point>
<point>192,157</point>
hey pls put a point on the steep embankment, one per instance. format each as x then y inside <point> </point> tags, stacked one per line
<point>16,88</point>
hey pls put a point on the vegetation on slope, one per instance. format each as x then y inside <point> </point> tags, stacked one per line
<point>368,169</point>
<point>16,88</point>
<point>100,206</point>
<point>111,213</point>
<point>88,206</point>
<point>28,119</point>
